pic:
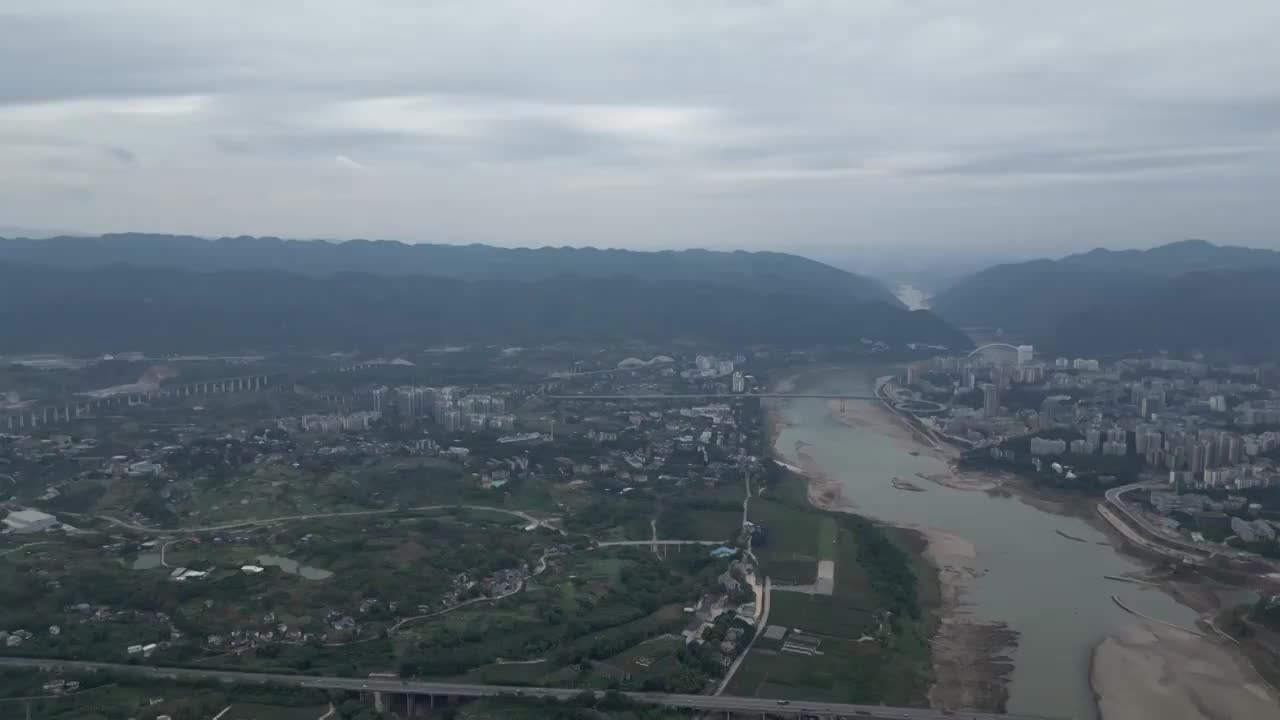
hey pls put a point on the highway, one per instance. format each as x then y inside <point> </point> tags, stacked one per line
<point>1162,542</point>
<point>718,703</point>
<point>652,543</point>
<point>696,396</point>
<point>238,524</point>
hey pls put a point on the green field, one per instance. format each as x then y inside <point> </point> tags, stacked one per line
<point>707,513</point>
<point>789,551</point>
<point>105,695</point>
<point>819,614</point>
<point>723,525</point>
<point>827,538</point>
<point>872,629</point>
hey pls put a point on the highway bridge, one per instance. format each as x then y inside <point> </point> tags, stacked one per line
<point>414,697</point>
<point>711,396</point>
<point>91,404</point>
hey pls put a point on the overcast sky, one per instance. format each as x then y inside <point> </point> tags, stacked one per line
<point>874,131</point>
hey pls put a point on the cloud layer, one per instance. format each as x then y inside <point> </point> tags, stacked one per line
<point>873,130</point>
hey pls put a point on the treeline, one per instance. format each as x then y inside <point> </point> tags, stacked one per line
<point>887,565</point>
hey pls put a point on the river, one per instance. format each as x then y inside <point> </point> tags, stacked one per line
<point>1047,587</point>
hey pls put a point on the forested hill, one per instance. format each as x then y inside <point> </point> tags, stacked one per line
<point>166,310</point>
<point>1227,311</point>
<point>1189,295</point>
<point>756,271</point>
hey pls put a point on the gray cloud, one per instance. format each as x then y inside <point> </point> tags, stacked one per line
<point>845,130</point>
<point>122,155</point>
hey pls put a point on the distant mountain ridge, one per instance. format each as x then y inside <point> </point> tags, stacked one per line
<point>756,271</point>
<point>166,310</point>
<point>1176,258</point>
<point>1127,300</point>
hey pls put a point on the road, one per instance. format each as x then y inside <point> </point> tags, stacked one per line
<point>656,543</point>
<point>1158,540</point>
<point>24,547</point>
<point>239,524</point>
<point>165,549</point>
<point>761,624</point>
<point>732,396</point>
<point>537,570</point>
<point>721,703</point>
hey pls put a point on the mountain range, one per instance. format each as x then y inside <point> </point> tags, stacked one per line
<point>1184,296</point>
<point>167,294</point>
<point>756,271</point>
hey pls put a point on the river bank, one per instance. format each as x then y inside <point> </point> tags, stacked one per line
<point>1155,671</point>
<point>969,658</point>
<point>1025,615</point>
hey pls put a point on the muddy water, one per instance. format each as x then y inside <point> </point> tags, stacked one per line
<point>1047,587</point>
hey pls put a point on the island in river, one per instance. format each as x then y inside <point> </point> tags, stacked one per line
<point>1029,623</point>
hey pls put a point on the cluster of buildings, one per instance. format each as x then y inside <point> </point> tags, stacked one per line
<point>709,366</point>
<point>351,422</point>
<point>1197,425</point>
<point>449,407</point>
<point>1234,515</point>
<point>465,587</point>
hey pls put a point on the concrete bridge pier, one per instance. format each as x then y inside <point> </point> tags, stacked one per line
<point>406,705</point>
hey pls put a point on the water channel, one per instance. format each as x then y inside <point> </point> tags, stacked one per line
<point>1048,588</point>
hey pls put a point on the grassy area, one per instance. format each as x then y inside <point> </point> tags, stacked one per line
<point>253,711</point>
<point>105,695</point>
<point>372,570</point>
<point>646,660</point>
<point>827,538</point>
<point>704,513</point>
<point>820,614</point>
<point>847,671</point>
<point>788,548</point>
<point>587,607</point>
<point>721,525</point>
<point>510,673</point>
<point>870,633</point>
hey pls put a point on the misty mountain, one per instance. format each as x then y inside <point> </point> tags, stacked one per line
<point>1116,301</point>
<point>755,271</point>
<point>1174,259</point>
<point>166,310</point>
<point>1225,310</point>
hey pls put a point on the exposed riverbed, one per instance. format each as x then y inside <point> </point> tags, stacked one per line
<point>1027,589</point>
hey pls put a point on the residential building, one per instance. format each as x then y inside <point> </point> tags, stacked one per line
<point>990,400</point>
